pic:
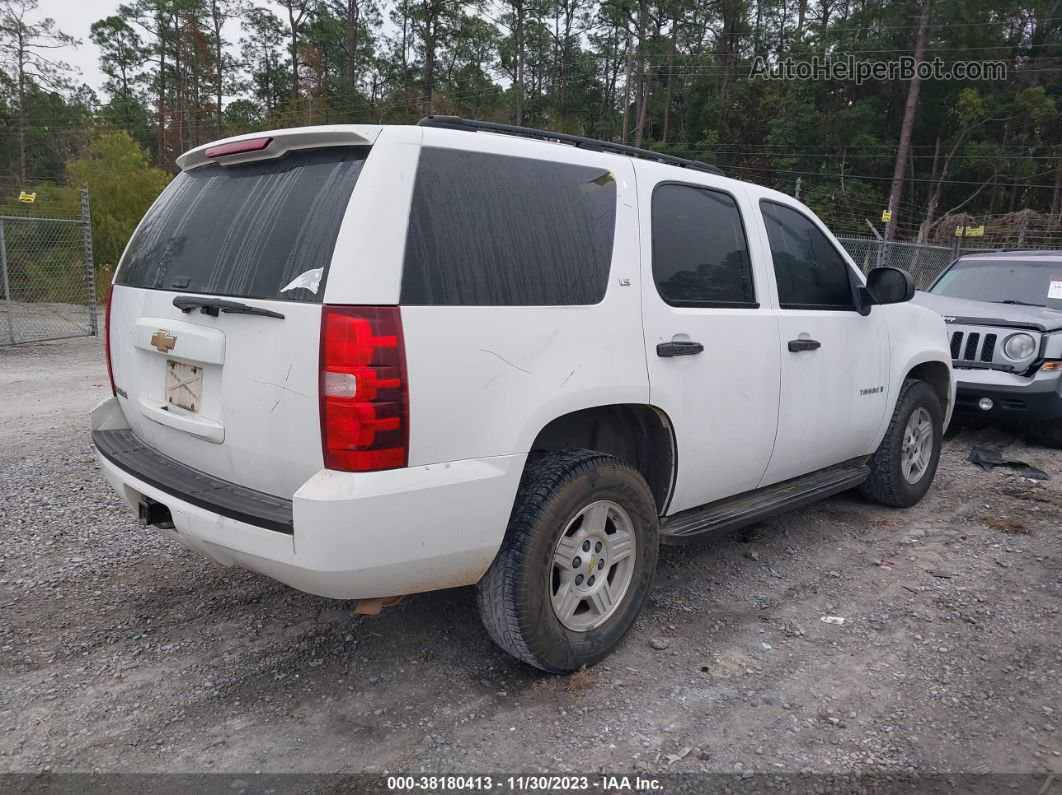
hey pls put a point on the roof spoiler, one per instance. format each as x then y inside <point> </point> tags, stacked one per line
<point>276,143</point>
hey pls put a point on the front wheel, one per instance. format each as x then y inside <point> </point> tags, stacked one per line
<point>903,467</point>
<point>576,564</point>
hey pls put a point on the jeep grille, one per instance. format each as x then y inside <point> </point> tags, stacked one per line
<point>975,347</point>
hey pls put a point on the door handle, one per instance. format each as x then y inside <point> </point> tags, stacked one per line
<point>796,346</point>
<point>678,348</point>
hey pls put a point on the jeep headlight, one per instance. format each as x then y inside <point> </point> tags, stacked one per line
<point>1019,346</point>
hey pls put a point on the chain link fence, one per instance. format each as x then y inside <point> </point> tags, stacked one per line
<point>922,260</point>
<point>46,270</point>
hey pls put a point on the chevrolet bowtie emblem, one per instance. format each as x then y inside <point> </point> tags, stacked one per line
<point>163,340</point>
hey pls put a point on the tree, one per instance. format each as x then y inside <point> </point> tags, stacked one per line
<point>433,21</point>
<point>296,13</point>
<point>122,185</point>
<point>360,18</point>
<point>220,12</point>
<point>518,26</point>
<point>672,75</point>
<point>969,115</point>
<point>122,55</point>
<point>23,48</point>
<point>910,110</point>
<point>158,18</point>
<point>263,59</point>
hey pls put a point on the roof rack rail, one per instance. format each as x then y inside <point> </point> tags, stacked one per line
<point>591,144</point>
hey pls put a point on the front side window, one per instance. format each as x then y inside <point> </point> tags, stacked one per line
<point>495,230</point>
<point>810,272</point>
<point>700,256</point>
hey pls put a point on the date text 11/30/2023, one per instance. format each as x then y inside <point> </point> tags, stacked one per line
<point>529,783</point>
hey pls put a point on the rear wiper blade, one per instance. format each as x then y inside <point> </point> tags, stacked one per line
<point>212,306</point>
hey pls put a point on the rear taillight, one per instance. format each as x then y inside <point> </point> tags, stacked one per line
<point>363,388</point>
<point>107,338</point>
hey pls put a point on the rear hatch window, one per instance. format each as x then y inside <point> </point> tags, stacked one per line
<point>256,230</point>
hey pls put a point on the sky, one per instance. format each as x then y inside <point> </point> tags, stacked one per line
<point>76,17</point>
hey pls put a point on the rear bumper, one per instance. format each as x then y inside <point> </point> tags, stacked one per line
<point>121,448</point>
<point>353,535</point>
<point>1014,397</point>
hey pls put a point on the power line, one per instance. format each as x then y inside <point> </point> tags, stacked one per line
<point>886,179</point>
<point>872,29</point>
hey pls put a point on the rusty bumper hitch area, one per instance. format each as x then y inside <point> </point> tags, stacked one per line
<point>154,514</point>
<point>372,607</point>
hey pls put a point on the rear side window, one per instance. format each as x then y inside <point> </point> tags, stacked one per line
<point>811,274</point>
<point>494,230</point>
<point>258,230</point>
<point>700,256</point>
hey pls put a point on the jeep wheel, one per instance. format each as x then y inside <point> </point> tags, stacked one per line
<point>576,564</point>
<point>903,467</point>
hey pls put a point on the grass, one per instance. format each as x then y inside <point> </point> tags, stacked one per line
<point>580,681</point>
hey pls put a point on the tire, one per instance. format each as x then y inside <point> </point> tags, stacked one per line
<point>887,483</point>
<point>566,494</point>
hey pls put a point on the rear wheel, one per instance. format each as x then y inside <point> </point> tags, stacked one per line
<point>903,467</point>
<point>576,564</point>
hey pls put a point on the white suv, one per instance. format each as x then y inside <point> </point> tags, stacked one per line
<point>373,361</point>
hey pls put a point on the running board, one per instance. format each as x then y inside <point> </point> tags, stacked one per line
<point>752,506</point>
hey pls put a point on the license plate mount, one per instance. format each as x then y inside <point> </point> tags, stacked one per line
<point>184,385</point>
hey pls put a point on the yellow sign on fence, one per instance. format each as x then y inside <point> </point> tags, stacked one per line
<point>969,231</point>
<point>886,216</point>
<point>29,198</point>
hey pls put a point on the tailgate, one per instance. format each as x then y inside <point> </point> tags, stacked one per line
<point>215,316</point>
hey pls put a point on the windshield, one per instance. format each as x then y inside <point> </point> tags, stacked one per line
<point>258,230</point>
<point>1036,282</point>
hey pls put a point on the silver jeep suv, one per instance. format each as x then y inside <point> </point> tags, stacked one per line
<point>1004,316</point>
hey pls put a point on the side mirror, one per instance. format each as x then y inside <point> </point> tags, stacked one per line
<point>888,286</point>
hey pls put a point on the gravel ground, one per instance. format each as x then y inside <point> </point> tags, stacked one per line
<point>123,652</point>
